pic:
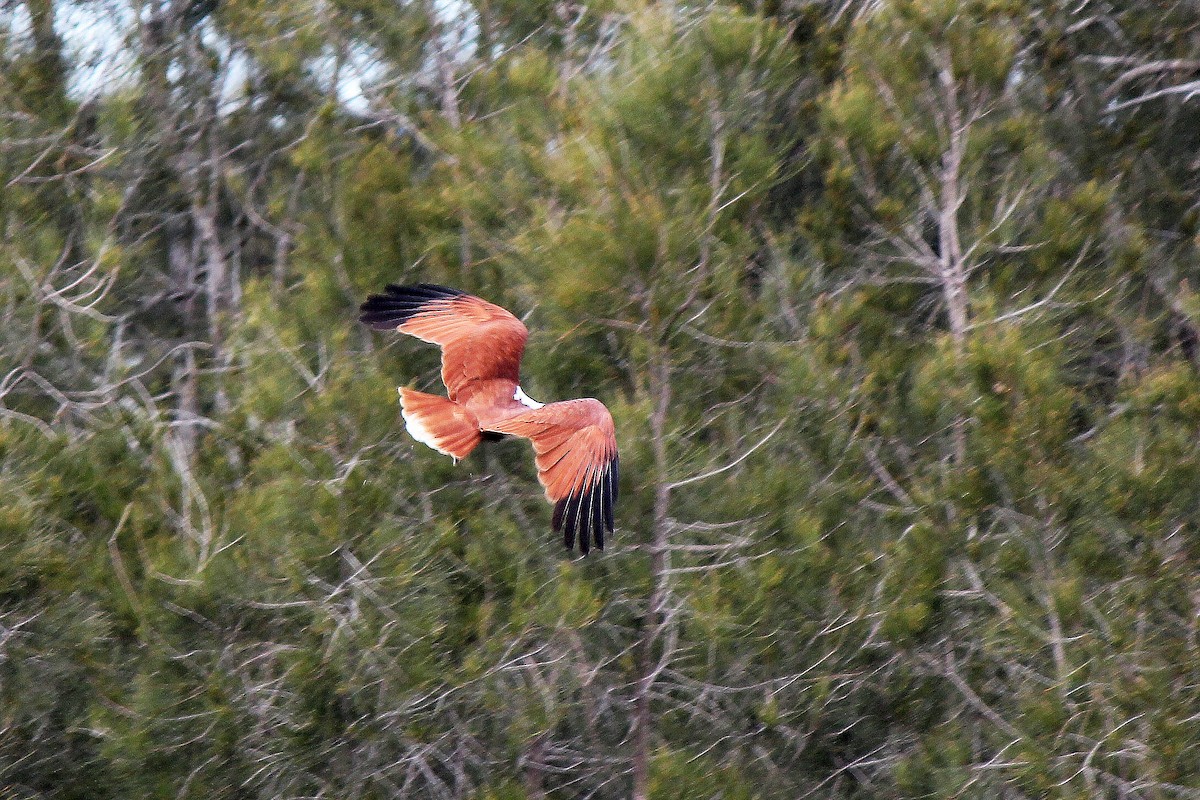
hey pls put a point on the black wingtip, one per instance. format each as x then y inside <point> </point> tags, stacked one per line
<point>571,525</point>
<point>586,516</point>
<point>597,512</point>
<point>401,303</point>
<point>568,532</point>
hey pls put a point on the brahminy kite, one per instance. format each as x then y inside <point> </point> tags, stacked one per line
<point>574,443</point>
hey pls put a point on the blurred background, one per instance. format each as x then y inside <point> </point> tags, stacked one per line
<point>891,301</point>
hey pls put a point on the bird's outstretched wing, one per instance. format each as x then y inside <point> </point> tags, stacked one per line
<point>576,453</point>
<point>480,341</point>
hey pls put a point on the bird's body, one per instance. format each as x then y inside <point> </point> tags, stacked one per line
<point>574,440</point>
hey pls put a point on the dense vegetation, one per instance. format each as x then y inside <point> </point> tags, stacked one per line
<point>891,301</point>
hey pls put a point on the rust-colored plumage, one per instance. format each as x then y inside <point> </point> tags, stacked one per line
<point>574,442</point>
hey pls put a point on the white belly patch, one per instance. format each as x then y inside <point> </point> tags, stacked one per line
<point>526,400</point>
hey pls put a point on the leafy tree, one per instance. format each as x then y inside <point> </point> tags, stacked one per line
<point>892,302</point>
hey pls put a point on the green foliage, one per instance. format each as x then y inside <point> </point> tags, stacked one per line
<point>892,303</point>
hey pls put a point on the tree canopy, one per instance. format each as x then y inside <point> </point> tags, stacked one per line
<point>890,301</point>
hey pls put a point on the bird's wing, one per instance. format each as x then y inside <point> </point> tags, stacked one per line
<point>576,452</point>
<point>480,341</point>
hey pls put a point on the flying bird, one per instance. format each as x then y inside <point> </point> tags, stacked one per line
<point>574,442</point>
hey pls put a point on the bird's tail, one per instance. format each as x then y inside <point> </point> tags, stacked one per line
<point>440,423</point>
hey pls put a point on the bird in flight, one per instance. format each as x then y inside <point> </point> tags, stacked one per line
<point>574,443</point>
